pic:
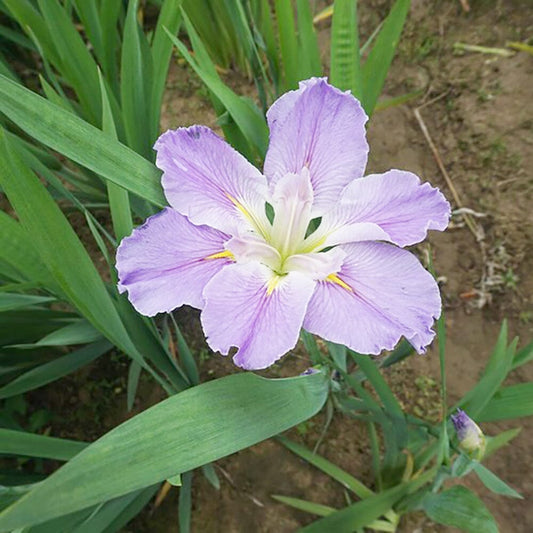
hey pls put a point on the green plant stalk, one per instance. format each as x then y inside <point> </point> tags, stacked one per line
<point>326,510</point>
<point>136,71</point>
<point>375,68</point>
<point>444,447</point>
<point>374,447</point>
<point>288,43</point>
<point>161,49</point>
<point>308,43</point>
<point>444,441</point>
<point>254,57</point>
<point>119,202</point>
<point>345,61</point>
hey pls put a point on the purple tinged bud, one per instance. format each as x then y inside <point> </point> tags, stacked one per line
<point>469,434</point>
<point>310,371</point>
<point>461,422</point>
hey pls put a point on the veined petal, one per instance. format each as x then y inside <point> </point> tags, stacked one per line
<point>323,130</point>
<point>166,262</point>
<point>280,109</point>
<point>333,231</point>
<point>396,201</point>
<point>292,201</point>
<point>380,294</point>
<point>209,182</point>
<point>249,307</point>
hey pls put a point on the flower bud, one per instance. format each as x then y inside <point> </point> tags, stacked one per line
<point>471,438</point>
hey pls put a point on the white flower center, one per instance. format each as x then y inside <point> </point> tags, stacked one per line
<point>292,202</point>
<point>283,246</point>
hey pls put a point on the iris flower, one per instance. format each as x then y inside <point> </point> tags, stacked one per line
<point>307,243</point>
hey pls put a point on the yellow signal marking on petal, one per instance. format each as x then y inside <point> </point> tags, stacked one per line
<point>313,247</point>
<point>333,278</point>
<point>221,255</point>
<point>253,220</point>
<point>272,284</point>
<point>240,207</point>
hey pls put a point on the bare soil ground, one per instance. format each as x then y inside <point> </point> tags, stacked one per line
<point>479,113</point>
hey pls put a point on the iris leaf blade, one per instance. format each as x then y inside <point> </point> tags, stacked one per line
<point>215,419</point>
<point>32,445</point>
<point>53,96</point>
<point>304,505</point>
<point>345,62</point>
<point>53,370</point>
<point>16,248</point>
<point>332,470</point>
<point>391,404</point>
<point>29,17</point>
<point>78,66</point>
<point>79,141</point>
<point>161,49</point>
<point>92,26</point>
<point>135,78</point>
<point>288,43</point>
<point>10,301</point>
<point>458,507</point>
<point>134,373</point>
<point>210,474</point>
<point>60,248</point>
<point>363,513</point>
<point>498,366</point>
<point>107,514</point>
<point>244,112</point>
<point>6,70</point>
<point>523,356</point>
<point>494,483</point>
<point>66,522</point>
<point>308,43</point>
<point>514,401</point>
<point>185,503</point>
<point>501,439</point>
<point>233,132</point>
<point>375,68</point>
<point>109,14</point>
<point>135,506</point>
<point>119,202</point>
<point>79,332</point>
